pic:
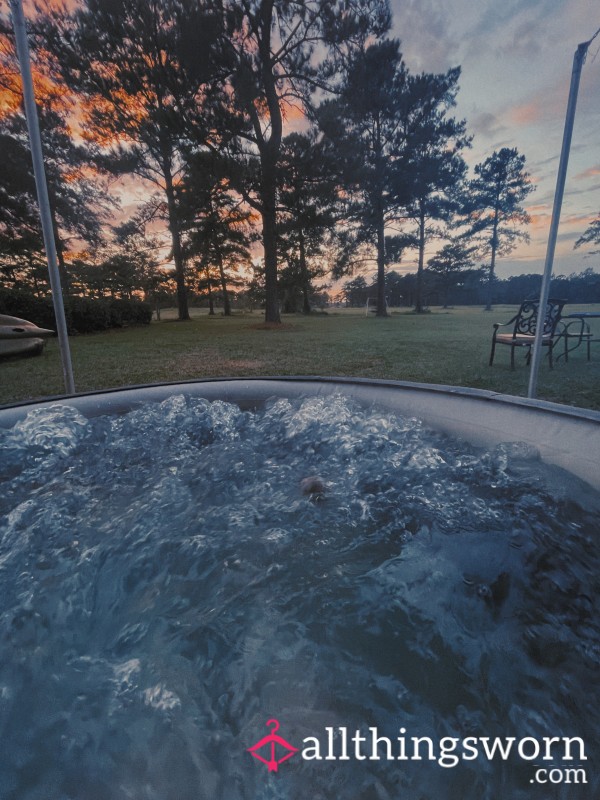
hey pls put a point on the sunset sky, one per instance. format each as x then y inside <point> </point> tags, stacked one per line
<point>517,58</point>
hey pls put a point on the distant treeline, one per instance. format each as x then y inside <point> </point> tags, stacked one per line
<point>471,288</point>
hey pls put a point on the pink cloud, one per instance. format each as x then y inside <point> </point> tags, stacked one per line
<point>526,114</point>
<point>590,172</point>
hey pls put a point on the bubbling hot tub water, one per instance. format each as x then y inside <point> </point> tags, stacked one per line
<point>168,584</point>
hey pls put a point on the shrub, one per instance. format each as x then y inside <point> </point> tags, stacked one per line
<point>87,316</point>
<point>18,303</point>
<point>83,314</point>
<point>129,312</point>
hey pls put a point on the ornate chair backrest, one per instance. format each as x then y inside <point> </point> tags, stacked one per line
<point>526,321</point>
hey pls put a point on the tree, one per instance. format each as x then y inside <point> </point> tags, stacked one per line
<point>363,128</point>
<point>493,204</point>
<point>254,293</point>
<point>356,291</point>
<point>21,246</point>
<point>280,52</point>
<point>139,250</point>
<point>399,150</point>
<point>216,223</point>
<point>432,165</point>
<point>394,288</point>
<point>591,235</point>
<point>79,203</point>
<point>447,266</point>
<point>307,203</point>
<point>125,62</point>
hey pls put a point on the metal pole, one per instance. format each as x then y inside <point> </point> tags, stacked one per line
<point>578,60</point>
<point>35,141</point>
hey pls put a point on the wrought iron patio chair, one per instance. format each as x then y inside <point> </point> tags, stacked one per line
<point>524,325</point>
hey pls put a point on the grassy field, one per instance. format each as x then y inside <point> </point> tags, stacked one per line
<point>446,347</point>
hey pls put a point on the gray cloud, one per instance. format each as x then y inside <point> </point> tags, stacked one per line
<point>425,30</point>
<point>497,15</point>
<point>567,237</point>
<point>588,189</point>
<point>486,124</point>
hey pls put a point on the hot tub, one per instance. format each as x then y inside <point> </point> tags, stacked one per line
<point>355,565</point>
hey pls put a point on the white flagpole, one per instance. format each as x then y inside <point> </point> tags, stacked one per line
<point>35,141</point>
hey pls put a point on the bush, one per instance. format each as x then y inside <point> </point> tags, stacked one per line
<point>87,316</point>
<point>83,314</point>
<point>17,303</point>
<point>129,312</point>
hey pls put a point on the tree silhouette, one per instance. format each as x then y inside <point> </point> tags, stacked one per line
<point>399,151</point>
<point>216,223</point>
<point>307,211</point>
<point>356,291</point>
<point>493,205</point>
<point>591,235</point>
<point>447,265</point>
<point>79,203</point>
<point>124,60</point>
<point>279,53</point>
<point>363,128</point>
<point>432,164</point>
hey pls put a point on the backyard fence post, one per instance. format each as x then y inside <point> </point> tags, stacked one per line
<point>33,127</point>
<point>578,60</point>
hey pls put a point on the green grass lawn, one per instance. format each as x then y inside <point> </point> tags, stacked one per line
<point>446,347</point>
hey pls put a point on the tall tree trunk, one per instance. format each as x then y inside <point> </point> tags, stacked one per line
<point>182,300</point>
<point>211,303</point>
<point>488,306</point>
<point>226,304</point>
<point>269,236</point>
<point>305,276</point>
<point>379,167</point>
<point>65,283</point>
<point>381,304</point>
<point>269,156</point>
<point>419,292</point>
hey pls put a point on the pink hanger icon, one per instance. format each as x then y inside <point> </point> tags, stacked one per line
<point>270,742</point>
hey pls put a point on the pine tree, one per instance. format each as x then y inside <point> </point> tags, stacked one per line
<point>124,60</point>
<point>362,127</point>
<point>216,223</point>
<point>432,164</point>
<point>279,53</point>
<point>494,207</point>
<point>448,264</point>
<point>307,212</point>
<point>591,235</point>
<point>78,199</point>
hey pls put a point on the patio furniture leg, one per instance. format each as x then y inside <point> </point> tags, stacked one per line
<point>493,349</point>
